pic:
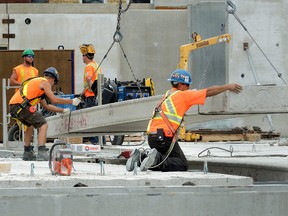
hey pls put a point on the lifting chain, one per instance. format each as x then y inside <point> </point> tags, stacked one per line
<point>117,37</point>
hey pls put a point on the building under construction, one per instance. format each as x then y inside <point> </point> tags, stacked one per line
<point>236,145</point>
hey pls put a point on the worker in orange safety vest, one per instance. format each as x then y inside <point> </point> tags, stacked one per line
<point>90,77</point>
<point>166,154</point>
<point>23,107</point>
<point>25,70</point>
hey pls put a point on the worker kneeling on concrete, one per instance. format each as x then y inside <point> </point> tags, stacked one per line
<point>23,107</point>
<point>166,154</point>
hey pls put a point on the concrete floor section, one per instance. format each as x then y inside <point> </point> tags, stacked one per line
<point>133,115</point>
<point>90,175</point>
<point>113,190</point>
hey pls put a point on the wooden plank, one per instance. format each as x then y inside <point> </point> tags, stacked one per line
<point>221,137</point>
<point>252,137</point>
<point>5,167</point>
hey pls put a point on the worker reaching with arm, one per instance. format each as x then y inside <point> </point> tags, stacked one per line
<point>168,115</point>
<point>25,70</point>
<point>23,107</point>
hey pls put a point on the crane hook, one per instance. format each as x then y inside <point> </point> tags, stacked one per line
<point>230,7</point>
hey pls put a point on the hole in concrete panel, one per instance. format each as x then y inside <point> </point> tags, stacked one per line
<point>28,21</point>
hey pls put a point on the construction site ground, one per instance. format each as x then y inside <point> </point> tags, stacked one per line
<point>243,178</point>
<point>228,164</point>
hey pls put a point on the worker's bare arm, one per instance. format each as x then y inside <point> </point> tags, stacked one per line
<point>50,107</point>
<point>13,79</point>
<point>215,90</point>
<point>54,99</point>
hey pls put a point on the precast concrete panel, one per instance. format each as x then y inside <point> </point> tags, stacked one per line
<point>266,26</point>
<point>49,31</point>
<point>151,40</point>
<point>207,65</point>
<point>185,200</point>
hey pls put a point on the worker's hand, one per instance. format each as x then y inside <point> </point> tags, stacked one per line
<point>235,88</point>
<point>76,101</point>
<point>66,110</point>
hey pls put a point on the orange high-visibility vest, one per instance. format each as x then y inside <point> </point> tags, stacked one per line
<point>90,71</point>
<point>31,90</point>
<point>174,107</point>
<point>23,73</point>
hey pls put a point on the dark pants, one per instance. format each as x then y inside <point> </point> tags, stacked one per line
<point>28,118</point>
<point>90,102</point>
<point>176,161</point>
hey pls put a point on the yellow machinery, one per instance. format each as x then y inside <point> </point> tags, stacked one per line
<point>199,43</point>
<point>184,55</point>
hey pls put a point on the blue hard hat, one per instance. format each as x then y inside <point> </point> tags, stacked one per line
<point>180,76</point>
<point>52,71</point>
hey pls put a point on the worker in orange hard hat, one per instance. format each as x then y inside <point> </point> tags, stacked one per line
<point>25,70</point>
<point>90,77</point>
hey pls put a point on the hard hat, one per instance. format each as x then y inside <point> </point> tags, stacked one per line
<point>181,76</point>
<point>27,52</point>
<point>87,49</point>
<point>52,71</point>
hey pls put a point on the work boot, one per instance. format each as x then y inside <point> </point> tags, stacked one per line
<point>150,161</point>
<point>136,156</point>
<point>42,154</point>
<point>29,154</point>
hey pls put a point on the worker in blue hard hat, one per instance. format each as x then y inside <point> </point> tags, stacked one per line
<point>166,154</point>
<point>23,107</point>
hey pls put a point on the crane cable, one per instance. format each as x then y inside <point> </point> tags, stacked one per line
<point>117,37</point>
<point>231,9</point>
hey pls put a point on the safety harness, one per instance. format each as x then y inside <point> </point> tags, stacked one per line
<point>158,110</point>
<point>26,102</point>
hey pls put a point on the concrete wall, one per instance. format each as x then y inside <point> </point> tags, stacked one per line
<point>185,200</point>
<point>266,23</point>
<point>152,38</point>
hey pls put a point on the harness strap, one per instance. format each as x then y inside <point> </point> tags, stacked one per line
<point>164,117</point>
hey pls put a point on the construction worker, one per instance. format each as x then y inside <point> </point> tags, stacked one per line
<point>166,154</point>
<point>90,77</point>
<point>23,107</point>
<point>25,70</point>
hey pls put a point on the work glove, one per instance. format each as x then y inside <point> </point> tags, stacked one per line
<point>76,101</point>
<point>66,110</point>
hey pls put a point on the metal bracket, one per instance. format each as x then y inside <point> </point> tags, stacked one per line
<point>8,21</point>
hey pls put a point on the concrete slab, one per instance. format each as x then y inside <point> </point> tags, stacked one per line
<point>115,175</point>
<point>266,99</point>
<point>268,155</point>
<point>133,115</point>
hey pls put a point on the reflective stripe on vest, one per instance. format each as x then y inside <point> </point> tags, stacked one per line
<point>171,112</point>
<point>22,72</point>
<point>95,66</point>
<point>32,101</point>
